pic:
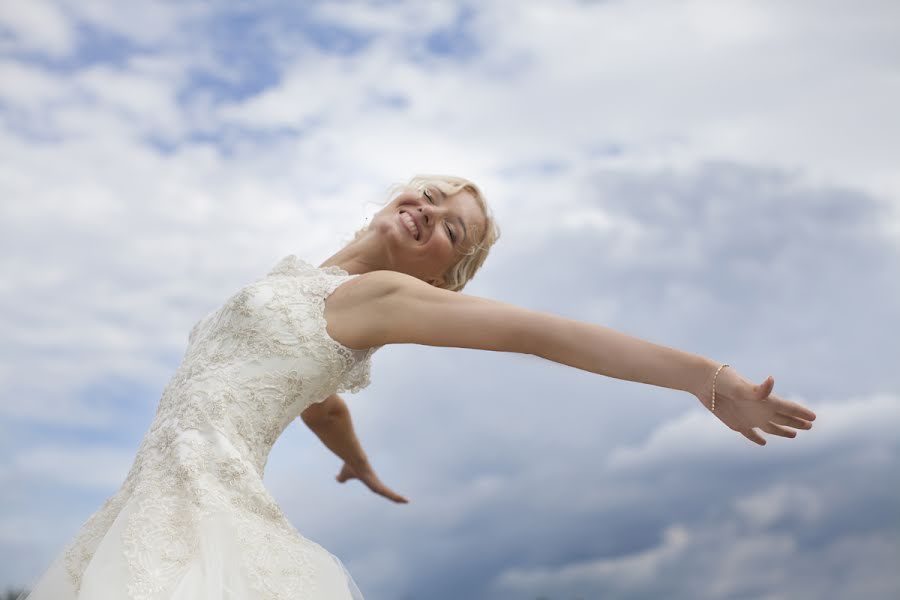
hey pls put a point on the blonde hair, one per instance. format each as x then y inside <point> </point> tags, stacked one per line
<point>460,273</point>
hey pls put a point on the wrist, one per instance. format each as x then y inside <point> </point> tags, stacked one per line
<point>702,379</point>
<point>360,464</point>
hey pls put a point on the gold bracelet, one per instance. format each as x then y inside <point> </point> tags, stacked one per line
<point>714,386</point>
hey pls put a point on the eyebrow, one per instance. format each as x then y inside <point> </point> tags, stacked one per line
<point>461,222</point>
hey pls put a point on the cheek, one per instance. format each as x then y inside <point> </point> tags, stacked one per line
<point>447,254</point>
<point>442,243</point>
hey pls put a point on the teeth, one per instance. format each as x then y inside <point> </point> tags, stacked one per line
<point>410,224</point>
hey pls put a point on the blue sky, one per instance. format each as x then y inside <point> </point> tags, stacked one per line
<point>714,176</point>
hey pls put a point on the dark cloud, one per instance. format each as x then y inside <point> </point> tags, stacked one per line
<point>529,478</point>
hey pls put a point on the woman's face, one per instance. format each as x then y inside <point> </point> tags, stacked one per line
<point>425,233</point>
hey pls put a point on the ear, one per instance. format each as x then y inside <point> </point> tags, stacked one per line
<point>436,281</point>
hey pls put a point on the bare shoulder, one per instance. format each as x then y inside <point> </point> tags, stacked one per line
<point>388,307</point>
<point>352,310</point>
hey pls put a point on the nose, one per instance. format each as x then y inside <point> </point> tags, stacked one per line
<point>427,213</point>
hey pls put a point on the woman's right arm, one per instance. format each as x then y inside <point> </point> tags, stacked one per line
<point>387,307</point>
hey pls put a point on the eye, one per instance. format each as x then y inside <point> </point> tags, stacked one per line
<point>427,194</point>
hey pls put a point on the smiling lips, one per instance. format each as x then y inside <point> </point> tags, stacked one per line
<point>410,224</point>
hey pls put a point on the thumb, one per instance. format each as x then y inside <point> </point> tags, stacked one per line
<point>345,474</point>
<point>765,388</point>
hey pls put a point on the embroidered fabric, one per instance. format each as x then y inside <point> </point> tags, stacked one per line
<point>193,518</point>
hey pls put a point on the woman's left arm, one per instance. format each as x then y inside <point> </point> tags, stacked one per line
<point>331,422</point>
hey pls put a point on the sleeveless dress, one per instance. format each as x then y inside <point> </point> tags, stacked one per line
<point>192,519</point>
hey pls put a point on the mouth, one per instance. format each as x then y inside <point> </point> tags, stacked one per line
<point>411,223</point>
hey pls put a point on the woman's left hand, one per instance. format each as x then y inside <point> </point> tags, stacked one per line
<point>744,406</point>
<point>371,481</point>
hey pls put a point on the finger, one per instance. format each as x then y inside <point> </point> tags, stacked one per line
<point>754,437</point>
<point>774,429</point>
<point>374,484</point>
<point>398,498</point>
<point>391,494</point>
<point>790,421</point>
<point>787,407</point>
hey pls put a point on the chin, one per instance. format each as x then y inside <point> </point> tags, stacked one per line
<point>387,230</point>
<point>390,228</point>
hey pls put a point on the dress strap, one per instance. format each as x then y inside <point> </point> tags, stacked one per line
<point>293,265</point>
<point>322,282</point>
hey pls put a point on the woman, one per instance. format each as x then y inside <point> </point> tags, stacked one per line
<point>193,519</point>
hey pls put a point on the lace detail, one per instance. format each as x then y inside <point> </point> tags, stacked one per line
<point>358,376</point>
<point>251,367</point>
<point>357,363</point>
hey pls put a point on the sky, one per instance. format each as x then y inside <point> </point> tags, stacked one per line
<point>715,176</point>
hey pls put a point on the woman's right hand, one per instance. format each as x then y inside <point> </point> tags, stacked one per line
<point>743,406</point>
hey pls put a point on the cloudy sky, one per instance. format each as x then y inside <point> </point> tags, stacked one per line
<point>717,176</point>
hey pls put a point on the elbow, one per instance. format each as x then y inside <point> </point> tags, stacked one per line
<point>541,334</point>
<point>312,419</point>
<point>321,413</point>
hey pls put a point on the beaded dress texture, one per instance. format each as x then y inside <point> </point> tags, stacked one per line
<point>192,519</point>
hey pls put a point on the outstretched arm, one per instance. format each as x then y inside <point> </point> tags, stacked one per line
<point>386,307</point>
<point>330,421</point>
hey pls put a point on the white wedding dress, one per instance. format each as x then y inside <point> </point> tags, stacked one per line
<point>193,520</point>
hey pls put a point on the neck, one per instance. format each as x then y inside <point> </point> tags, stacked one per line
<point>357,257</point>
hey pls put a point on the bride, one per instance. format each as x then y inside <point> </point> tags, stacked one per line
<point>193,520</point>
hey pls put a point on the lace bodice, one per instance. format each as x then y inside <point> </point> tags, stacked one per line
<point>254,364</point>
<point>250,368</point>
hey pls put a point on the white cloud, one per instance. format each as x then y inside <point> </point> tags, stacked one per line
<point>691,436</point>
<point>695,435</point>
<point>786,501</point>
<point>144,23</point>
<point>101,467</point>
<point>629,569</point>
<point>32,88</point>
<point>38,26</point>
<point>721,560</point>
<point>142,100</point>
<point>368,17</point>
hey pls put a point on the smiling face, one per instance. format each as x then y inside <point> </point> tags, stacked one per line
<point>425,233</point>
